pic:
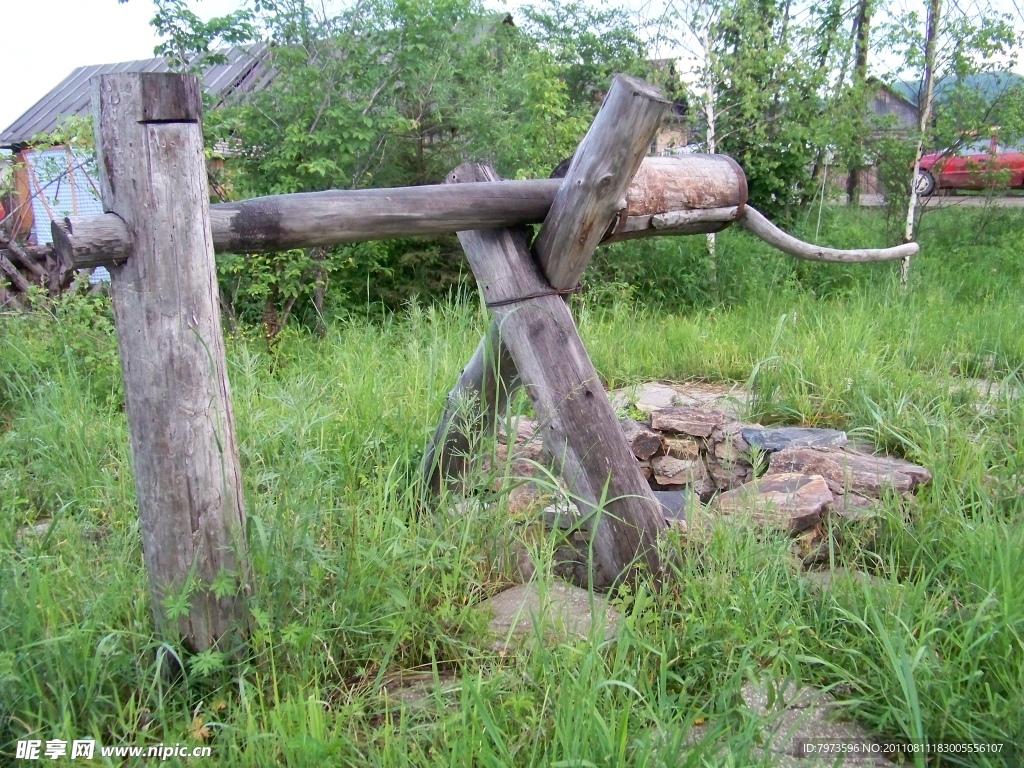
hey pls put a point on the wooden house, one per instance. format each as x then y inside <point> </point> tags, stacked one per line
<point>51,181</point>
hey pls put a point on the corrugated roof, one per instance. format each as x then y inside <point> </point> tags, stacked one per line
<point>246,70</point>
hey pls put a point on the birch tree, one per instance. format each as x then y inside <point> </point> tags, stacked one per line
<point>699,22</point>
<point>924,116</point>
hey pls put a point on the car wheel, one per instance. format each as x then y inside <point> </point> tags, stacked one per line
<point>925,183</point>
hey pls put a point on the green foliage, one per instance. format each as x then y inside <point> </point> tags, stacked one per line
<point>188,42</point>
<point>770,98</point>
<point>893,155</point>
<point>393,93</point>
<point>590,42</point>
<point>765,91</point>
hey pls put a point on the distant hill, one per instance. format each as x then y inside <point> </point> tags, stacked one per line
<point>990,84</point>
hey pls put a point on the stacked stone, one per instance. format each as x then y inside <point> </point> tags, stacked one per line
<point>701,449</point>
<point>697,449</point>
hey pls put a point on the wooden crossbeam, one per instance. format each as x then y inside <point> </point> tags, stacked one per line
<point>711,188</point>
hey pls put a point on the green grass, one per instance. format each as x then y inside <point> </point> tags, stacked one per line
<point>353,583</point>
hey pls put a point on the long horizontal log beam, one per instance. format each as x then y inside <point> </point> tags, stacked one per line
<point>689,195</point>
<point>696,183</point>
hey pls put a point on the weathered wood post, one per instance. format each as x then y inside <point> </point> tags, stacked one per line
<point>184,452</point>
<point>577,422</point>
<point>533,323</point>
<point>474,406</point>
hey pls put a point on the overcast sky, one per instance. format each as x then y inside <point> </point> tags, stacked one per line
<point>46,39</point>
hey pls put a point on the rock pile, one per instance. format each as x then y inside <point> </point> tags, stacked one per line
<point>690,442</point>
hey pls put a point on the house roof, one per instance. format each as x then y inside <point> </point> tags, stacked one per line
<point>246,69</point>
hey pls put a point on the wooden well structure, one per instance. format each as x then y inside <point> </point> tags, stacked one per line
<point>159,236</point>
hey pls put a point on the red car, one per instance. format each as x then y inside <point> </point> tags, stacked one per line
<point>974,165</point>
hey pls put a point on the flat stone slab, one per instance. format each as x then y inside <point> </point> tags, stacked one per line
<point>415,690</point>
<point>791,500</point>
<point>845,470</point>
<point>773,439</point>
<point>671,471</point>
<point>825,579</point>
<point>729,475</point>
<point>674,504</point>
<point>695,422</point>
<point>644,397</point>
<point>798,716</point>
<point>730,398</point>
<point>561,611</point>
<point>656,395</point>
<point>853,506</point>
<point>685,448</point>
<point>991,395</point>
<point>790,717</point>
<point>525,430</point>
<point>643,441</point>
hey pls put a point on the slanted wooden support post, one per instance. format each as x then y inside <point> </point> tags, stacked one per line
<point>577,422</point>
<point>184,451</point>
<point>534,324</point>
<point>595,187</point>
<point>481,392</point>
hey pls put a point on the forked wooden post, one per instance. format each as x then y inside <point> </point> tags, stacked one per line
<point>581,216</point>
<point>184,451</point>
<point>577,422</point>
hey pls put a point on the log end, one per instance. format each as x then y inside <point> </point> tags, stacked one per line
<point>84,242</point>
<point>639,87</point>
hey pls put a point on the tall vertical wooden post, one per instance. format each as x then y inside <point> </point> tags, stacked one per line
<point>184,452</point>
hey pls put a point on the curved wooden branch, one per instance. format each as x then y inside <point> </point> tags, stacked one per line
<point>754,221</point>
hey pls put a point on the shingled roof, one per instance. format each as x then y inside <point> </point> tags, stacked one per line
<point>245,70</point>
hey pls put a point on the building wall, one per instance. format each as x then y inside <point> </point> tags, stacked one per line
<point>886,104</point>
<point>21,215</point>
<point>671,136</point>
<point>61,182</point>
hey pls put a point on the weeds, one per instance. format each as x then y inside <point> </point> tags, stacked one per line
<point>353,583</point>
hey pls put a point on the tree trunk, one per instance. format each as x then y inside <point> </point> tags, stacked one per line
<point>924,118</point>
<point>710,114</point>
<point>862,32</point>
